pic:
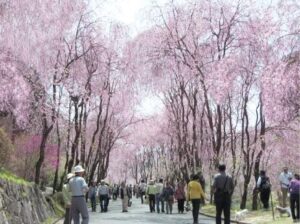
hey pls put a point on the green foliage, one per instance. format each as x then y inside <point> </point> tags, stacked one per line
<point>49,221</point>
<point>6,148</point>
<point>57,207</point>
<point>6,175</point>
<point>59,197</point>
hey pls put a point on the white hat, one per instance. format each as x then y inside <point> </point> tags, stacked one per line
<point>78,169</point>
<point>70,175</point>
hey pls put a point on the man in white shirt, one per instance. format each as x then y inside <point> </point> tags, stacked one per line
<point>78,188</point>
<point>103,191</point>
<point>158,196</point>
<point>142,190</point>
<point>284,179</point>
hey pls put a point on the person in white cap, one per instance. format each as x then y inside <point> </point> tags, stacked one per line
<point>78,188</point>
<point>67,199</point>
<point>285,178</point>
<point>151,192</point>
<point>103,192</point>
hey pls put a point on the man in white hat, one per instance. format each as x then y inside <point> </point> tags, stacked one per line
<point>78,188</point>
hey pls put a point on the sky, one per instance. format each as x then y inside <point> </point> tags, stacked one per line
<point>132,13</point>
<point>135,15</point>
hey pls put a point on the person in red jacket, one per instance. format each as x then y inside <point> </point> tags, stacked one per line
<point>180,196</point>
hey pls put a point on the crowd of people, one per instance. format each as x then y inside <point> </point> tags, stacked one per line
<point>289,188</point>
<point>161,194</point>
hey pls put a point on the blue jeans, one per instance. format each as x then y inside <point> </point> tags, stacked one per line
<point>158,200</point>
<point>93,203</point>
<point>103,202</point>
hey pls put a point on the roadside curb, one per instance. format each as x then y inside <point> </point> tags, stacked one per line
<point>231,221</point>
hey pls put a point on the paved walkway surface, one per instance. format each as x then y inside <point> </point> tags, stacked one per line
<point>139,214</point>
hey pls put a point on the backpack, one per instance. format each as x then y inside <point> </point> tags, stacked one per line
<point>265,183</point>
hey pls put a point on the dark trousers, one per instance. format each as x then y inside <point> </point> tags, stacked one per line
<point>159,200</point>
<point>152,202</point>
<point>295,206</point>
<point>196,208</point>
<point>264,197</point>
<point>67,216</point>
<point>93,203</point>
<point>79,207</point>
<point>115,196</point>
<point>223,203</point>
<point>103,202</point>
<point>142,194</point>
<point>180,205</point>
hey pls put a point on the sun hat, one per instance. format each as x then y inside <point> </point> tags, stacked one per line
<point>70,175</point>
<point>78,169</point>
<point>102,181</point>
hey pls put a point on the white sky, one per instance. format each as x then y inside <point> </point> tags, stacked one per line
<point>132,13</point>
<point>135,15</point>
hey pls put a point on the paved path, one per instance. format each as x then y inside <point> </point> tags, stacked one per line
<point>139,214</point>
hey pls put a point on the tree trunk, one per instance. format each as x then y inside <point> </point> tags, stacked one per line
<point>57,159</point>
<point>244,196</point>
<point>77,135</point>
<point>39,163</point>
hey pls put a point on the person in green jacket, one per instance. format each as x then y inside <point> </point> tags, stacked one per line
<point>67,199</point>
<point>151,192</point>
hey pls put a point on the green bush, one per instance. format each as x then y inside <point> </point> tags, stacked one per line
<point>6,175</point>
<point>57,207</point>
<point>59,197</point>
<point>6,148</point>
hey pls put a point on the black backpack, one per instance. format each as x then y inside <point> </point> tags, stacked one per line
<point>265,183</point>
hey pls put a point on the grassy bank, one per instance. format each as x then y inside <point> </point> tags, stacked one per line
<point>253,217</point>
<point>6,175</point>
<point>54,202</point>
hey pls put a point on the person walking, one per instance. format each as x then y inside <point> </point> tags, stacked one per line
<point>295,198</point>
<point>195,194</point>
<point>284,179</point>
<point>223,189</point>
<point>180,196</point>
<point>142,190</point>
<point>115,192</point>
<point>103,192</point>
<point>135,191</point>
<point>264,186</point>
<point>168,197</point>
<point>150,193</point>
<point>109,194</point>
<point>125,194</point>
<point>67,199</point>
<point>92,195</point>
<point>202,182</point>
<point>78,188</point>
<point>158,197</point>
